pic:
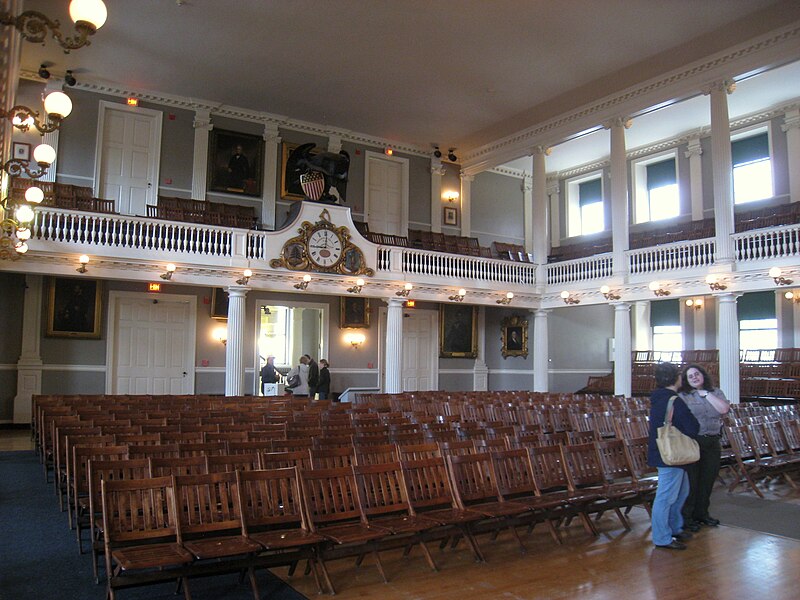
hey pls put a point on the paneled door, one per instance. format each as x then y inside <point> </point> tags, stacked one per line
<point>151,344</point>
<point>128,156</point>
<point>386,194</point>
<point>420,350</point>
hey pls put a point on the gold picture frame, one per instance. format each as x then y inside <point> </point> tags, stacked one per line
<point>514,336</point>
<point>353,312</point>
<point>74,308</point>
<point>232,172</point>
<point>458,334</point>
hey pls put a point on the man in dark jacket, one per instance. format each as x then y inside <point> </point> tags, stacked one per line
<point>324,387</point>
<point>313,376</point>
<point>268,373</point>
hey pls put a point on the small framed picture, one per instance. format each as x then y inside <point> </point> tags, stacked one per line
<point>73,308</point>
<point>21,150</point>
<point>219,304</point>
<point>515,337</point>
<point>450,215</point>
<point>353,312</point>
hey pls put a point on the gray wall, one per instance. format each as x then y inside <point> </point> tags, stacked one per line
<point>497,208</point>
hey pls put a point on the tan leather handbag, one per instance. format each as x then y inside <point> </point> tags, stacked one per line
<point>675,447</point>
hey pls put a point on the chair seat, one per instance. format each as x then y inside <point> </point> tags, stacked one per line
<point>286,538</point>
<point>541,502</point>
<point>152,556</point>
<point>499,509</point>
<point>353,533</point>
<point>219,547</point>
<point>405,524</point>
<point>453,516</point>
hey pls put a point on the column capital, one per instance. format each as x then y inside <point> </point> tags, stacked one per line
<point>393,301</point>
<point>334,143</point>
<point>526,184</point>
<point>437,168</point>
<point>466,176</point>
<point>540,313</point>
<point>541,149</point>
<point>271,133</point>
<point>791,120</point>
<point>723,85</point>
<point>625,122</point>
<point>202,119</point>
<point>694,148</point>
<point>726,297</point>
<point>239,291</point>
<point>621,306</point>
<point>553,186</point>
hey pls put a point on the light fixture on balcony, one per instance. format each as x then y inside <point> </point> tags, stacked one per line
<point>355,339</point>
<point>88,16</point>
<point>168,274</point>
<point>57,107</point>
<point>18,215</point>
<point>451,196</point>
<point>245,278</point>
<point>302,285</point>
<point>695,303</point>
<point>356,289</point>
<point>715,284</point>
<point>608,294</point>
<point>507,299</point>
<point>779,279</point>
<point>221,335</point>
<point>84,260</point>
<point>43,155</point>
<point>458,296</point>
<point>792,296</point>
<point>405,291</point>
<point>656,288</point>
<point>568,299</point>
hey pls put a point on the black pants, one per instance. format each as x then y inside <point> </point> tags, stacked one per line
<point>702,476</point>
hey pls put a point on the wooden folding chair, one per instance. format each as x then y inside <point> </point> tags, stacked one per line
<point>233,462</point>
<point>419,451</point>
<point>281,460</point>
<point>376,455</point>
<point>182,465</point>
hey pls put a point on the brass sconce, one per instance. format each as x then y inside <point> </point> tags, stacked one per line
<point>458,296</point>
<point>608,294</point>
<point>565,296</point>
<point>714,283</point>
<point>356,289</point>
<point>355,339</point>
<point>775,273</point>
<point>221,335</point>
<point>168,274</point>
<point>507,299</point>
<point>451,196</point>
<point>656,288</point>
<point>88,15</point>
<point>695,303</point>
<point>302,285</point>
<point>792,297</point>
<point>245,278</point>
<point>84,260</point>
<point>57,107</point>
<point>405,291</point>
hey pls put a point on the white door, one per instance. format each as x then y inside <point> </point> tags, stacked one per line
<point>128,156</point>
<point>420,354</point>
<point>386,194</point>
<point>151,344</point>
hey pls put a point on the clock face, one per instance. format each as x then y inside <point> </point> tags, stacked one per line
<point>324,247</point>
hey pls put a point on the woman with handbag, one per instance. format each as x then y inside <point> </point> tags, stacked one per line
<point>673,482</point>
<point>298,375</point>
<point>707,404</point>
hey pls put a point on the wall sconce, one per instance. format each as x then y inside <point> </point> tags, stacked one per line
<point>507,300</point>
<point>245,278</point>
<point>43,155</point>
<point>451,196</point>
<point>221,335</point>
<point>88,16</point>
<point>57,107</point>
<point>355,339</point>
<point>656,288</point>
<point>792,297</point>
<point>565,296</point>
<point>19,215</point>
<point>302,285</point>
<point>714,283</point>
<point>356,289</point>
<point>405,291</point>
<point>168,274</point>
<point>84,260</point>
<point>459,296</point>
<point>775,273</point>
<point>608,294</point>
<point>695,303</point>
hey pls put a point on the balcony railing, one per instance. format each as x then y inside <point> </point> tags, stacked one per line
<point>761,244</point>
<point>674,256</point>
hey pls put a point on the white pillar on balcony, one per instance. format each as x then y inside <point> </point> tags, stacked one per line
<point>394,346</point>
<point>694,154</point>
<point>622,348</point>
<point>528,216</point>
<point>553,190</point>
<point>619,196</point>
<point>541,239</point>
<point>791,126</point>
<point>466,204</point>
<point>29,365</point>
<point>202,126</point>
<point>541,352</point>
<point>728,344</point>
<point>234,350</point>
<point>642,332</point>
<point>437,172</point>
<point>272,145</point>
<point>480,376</point>
<point>722,169</point>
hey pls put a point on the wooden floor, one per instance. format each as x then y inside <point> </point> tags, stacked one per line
<point>725,562</point>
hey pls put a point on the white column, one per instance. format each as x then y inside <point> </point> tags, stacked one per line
<point>437,172</point>
<point>553,190</point>
<point>619,199</point>
<point>394,346</point>
<point>728,344</point>
<point>466,204</point>
<point>642,333</point>
<point>541,239</point>
<point>29,365</point>
<point>541,352</point>
<point>622,348</point>
<point>791,126</point>
<point>202,126</point>
<point>700,325</point>
<point>334,143</point>
<point>722,169</point>
<point>694,154</point>
<point>480,377</point>
<point>528,215</point>
<point>272,144</point>
<point>234,350</point>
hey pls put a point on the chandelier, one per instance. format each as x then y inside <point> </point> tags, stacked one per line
<point>88,16</point>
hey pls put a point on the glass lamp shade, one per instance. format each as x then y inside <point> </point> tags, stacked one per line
<point>565,294</point>
<point>43,153</point>
<point>24,214</point>
<point>34,195</point>
<point>22,247</point>
<point>89,11</point>
<point>58,105</point>
<point>775,272</point>
<point>23,234</point>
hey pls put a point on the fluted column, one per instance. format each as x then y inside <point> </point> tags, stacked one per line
<point>694,154</point>
<point>722,169</point>
<point>437,172</point>
<point>526,185</point>
<point>791,126</point>
<point>234,350</point>
<point>619,197</point>
<point>480,375</point>
<point>394,346</point>
<point>272,144</point>
<point>202,126</point>
<point>622,348</point>
<point>554,192</point>
<point>541,351</point>
<point>728,343</point>
<point>541,239</point>
<point>29,365</point>
<point>466,204</point>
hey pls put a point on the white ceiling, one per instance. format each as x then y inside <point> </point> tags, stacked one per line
<point>457,72</point>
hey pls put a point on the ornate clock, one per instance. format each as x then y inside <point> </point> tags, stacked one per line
<point>323,247</point>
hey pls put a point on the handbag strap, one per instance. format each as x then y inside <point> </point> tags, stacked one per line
<point>668,414</point>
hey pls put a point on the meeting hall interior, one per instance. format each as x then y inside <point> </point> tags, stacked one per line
<point>491,219</point>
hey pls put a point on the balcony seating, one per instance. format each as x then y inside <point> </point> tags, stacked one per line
<point>62,195</point>
<point>202,211</point>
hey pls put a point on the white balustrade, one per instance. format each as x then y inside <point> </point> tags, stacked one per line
<point>760,244</point>
<point>440,264</point>
<point>598,266</point>
<point>676,255</point>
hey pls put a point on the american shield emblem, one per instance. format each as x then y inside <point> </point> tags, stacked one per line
<point>313,183</point>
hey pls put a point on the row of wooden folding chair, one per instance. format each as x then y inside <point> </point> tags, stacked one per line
<point>764,451</point>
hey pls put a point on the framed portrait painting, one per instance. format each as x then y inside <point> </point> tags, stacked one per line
<point>219,304</point>
<point>458,336</point>
<point>74,308</point>
<point>21,151</point>
<point>514,336</point>
<point>451,216</point>
<point>353,312</point>
<point>235,162</point>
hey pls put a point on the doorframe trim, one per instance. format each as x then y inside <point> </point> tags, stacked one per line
<point>369,155</point>
<point>114,297</point>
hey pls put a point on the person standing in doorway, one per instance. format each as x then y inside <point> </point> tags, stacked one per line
<point>268,373</point>
<point>324,387</point>
<point>313,376</point>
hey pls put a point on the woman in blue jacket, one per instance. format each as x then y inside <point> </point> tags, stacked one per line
<point>673,482</point>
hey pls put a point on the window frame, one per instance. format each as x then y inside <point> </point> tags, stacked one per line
<point>748,132</point>
<point>574,216</point>
<point>641,194</point>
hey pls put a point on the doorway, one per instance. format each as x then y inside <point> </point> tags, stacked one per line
<point>420,371</point>
<point>386,193</point>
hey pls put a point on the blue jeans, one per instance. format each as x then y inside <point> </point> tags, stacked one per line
<point>673,487</point>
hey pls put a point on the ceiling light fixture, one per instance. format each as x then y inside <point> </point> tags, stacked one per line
<point>302,285</point>
<point>245,278</point>
<point>608,294</point>
<point>507,299</point>
<point>168,274</point>
<point>88,16</point>
<point>405,291</point>
<point>779,279</point>
<point>356,289</point>
<point>568,299</point>
<point>458,296</point>
<point>84,260</point>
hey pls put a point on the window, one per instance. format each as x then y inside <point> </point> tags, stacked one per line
<point>758,323</point>
<point>665,319</point>
<point>275,335</point>
<point>586,213</point>
<point>656,188</point>
<point>752,168</point>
